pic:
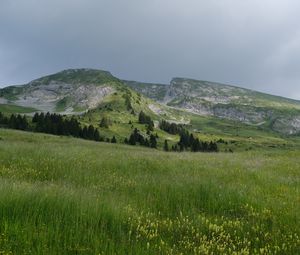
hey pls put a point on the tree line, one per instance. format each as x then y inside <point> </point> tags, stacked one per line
<point>54,124</point>
<point>137,138</point>
<point>14,121</point>
<point>145,119</point>
<point>58,125</point>
<point>187,140</point>
<point>171,128</point>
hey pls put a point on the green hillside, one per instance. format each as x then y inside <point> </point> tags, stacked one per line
<point>152,90</point>
<point>227,102</point>
<point>7,108</point>
<point>61,195</point>
<point>78,76</point>
<point>70,91</point>
<point>207,107</point>
<point>197,88</point>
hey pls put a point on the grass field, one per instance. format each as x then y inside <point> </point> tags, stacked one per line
<point>60,195</point>
<point>7,108</point>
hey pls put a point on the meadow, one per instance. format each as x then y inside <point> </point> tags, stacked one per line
<point>61,195</point>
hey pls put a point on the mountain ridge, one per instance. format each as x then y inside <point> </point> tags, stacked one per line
<point>75,91</point>
<point>226,101</point>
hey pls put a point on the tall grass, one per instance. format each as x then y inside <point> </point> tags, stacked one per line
<point>69,196</point>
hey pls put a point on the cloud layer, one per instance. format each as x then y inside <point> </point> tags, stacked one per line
<point>250,43</point>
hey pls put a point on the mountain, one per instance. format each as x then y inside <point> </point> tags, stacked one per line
<point>69,91</point>
<point>225,101</point>
<point>78,91</point>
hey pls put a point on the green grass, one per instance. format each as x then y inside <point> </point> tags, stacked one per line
<point>62,104</point>
<point>60,195</point>
<point>7,108</point>
<point>79,76</point>
<point>207,128</point>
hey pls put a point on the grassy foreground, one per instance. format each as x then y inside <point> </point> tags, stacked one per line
<point>61,195</point>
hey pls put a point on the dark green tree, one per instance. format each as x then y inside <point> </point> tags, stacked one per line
<point>97,135</point>
<point>90,132</point>
<point>132,140</point>
<point>85,133</point>
<point>153,142</point>
<point>114,140</point>
<point>104,123</point>
<point>166,146</point>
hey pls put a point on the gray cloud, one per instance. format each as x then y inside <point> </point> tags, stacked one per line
<point>251,43</point>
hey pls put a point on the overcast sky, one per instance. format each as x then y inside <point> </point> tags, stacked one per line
<point>250,43</point>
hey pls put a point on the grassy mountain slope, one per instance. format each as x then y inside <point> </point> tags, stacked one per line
<point>152,90</point>
<point>212,110</point>
<point>61,195</point>
<point>228,102</point>
<point>7,108</point>
<point>69,91</point>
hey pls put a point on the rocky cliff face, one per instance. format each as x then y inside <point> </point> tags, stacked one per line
<point>287,125</point>
<point>70,91</point>
<point>228,102</point>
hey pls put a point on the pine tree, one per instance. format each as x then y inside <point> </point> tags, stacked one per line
<point>23,123</point>
<point>145,119</point>
<point>142,117</point>
<point>3,119</point>
<point>12,123</point>
<point>114,140</point>
<point>85,133</point>
<point>195,145</point>
<point>35,118</point>
<point>213,146</point>
<point>166,146</point>
<point>147,144</point>
<point>97,135</point>
<point>90,132</point>
<point>104,123</point>
<point>132,140</point>
<point>153,142</point>
<point>204,146</point>
<point>150,127</point>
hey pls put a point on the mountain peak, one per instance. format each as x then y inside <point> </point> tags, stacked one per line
<point>77,76</point>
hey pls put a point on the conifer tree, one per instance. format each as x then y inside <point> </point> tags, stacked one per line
<point>97,135</point>
<point>147,144</point>
<point>12,123</point>
<point>195,145</point>
<point>35,117</point>
<point>85,133</point>
<point>3,119</point>
<point>166,146</point>
<point>153,142</point>
<point>114,140</point>
<point>90,132</point>
<point>104,123</point>
<point>132,140</point>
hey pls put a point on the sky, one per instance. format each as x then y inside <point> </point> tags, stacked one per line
<point>249,43</point>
